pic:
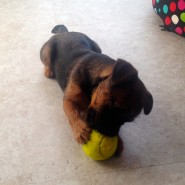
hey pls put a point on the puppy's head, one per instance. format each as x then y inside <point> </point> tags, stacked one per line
<point>118,98</point>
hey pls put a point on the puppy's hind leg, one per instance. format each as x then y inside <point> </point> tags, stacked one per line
<point>45,56</point>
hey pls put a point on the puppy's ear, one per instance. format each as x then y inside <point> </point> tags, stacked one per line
<point>148,103</point>
<point>123,73</point>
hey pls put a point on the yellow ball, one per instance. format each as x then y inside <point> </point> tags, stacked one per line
<point>100,147</point>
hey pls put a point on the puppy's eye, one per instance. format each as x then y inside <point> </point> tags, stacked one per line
<point>114,103</point>
<point>99,80</point>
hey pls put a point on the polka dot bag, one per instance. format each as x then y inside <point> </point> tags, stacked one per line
<point>172,12</point>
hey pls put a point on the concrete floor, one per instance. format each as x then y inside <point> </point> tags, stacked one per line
<point>36,143</point>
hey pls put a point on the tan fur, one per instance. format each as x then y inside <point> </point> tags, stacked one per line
<point>48,72</point>
<point>74,103</point>
<point>100,96</point>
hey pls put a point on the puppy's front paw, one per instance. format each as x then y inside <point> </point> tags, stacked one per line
<point>81,132</point>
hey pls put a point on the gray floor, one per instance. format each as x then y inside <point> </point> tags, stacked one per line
<point>36,143</point>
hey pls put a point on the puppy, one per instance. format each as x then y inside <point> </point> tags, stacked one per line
<point>99,92</point>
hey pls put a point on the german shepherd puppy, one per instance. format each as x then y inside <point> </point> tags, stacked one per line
<point>99,92</point>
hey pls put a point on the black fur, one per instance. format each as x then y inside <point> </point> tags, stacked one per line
<point>75,56</point>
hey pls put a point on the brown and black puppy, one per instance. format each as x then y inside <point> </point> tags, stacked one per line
<point>108,92</point>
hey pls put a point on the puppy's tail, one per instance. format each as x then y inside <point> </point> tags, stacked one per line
<point>59,29</point>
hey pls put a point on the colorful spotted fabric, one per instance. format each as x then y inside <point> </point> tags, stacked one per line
<point>172,12</point>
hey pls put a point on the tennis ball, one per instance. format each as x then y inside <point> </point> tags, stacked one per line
<point>100,147</point>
